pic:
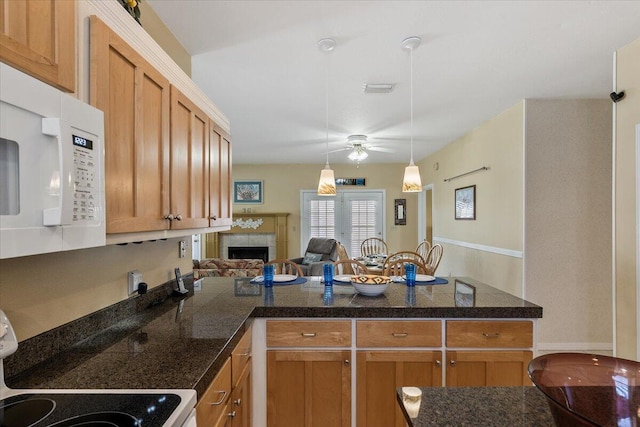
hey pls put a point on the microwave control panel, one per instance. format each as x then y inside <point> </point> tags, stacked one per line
<point>85,196</point>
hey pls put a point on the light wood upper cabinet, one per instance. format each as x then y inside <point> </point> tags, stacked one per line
<point>219,176</point>
<point>38,38</point>
<point>135,99</point>
<point>189,163</point>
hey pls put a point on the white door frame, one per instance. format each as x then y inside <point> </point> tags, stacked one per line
<point>637,240</point>
<point>422,212</point>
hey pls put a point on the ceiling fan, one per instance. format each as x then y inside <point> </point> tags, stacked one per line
<point>358,146</point>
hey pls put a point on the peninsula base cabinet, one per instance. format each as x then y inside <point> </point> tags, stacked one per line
<point>303,365</point>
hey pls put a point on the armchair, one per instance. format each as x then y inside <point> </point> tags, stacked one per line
<point>319,250</point>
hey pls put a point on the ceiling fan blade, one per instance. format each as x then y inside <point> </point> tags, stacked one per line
<point>340,149</point>
<point>381,149</point>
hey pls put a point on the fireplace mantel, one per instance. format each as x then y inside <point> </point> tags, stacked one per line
<point>254,223</point>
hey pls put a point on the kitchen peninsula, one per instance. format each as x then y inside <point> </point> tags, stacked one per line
<point>185,342</point>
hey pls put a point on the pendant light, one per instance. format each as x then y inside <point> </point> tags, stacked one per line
<point>327,182</point>
<point>411,182</point>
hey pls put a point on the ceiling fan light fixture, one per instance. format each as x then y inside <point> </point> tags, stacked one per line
<point>358,154</point>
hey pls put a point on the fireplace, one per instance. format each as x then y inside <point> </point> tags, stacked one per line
<point>248,252</point>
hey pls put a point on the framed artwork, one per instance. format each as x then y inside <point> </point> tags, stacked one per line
<point>466,202</point>
<point>247,191</point>
<point>465,294</point>
<point>351,181</point>
<point>400,209</point>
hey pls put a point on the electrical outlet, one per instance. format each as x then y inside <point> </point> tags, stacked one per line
<point>183,248</point>
<point>135,278</point>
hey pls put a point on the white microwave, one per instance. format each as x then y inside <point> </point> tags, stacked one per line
<point>52,190</point>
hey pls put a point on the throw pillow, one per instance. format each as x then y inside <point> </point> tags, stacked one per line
<point>310,257</point>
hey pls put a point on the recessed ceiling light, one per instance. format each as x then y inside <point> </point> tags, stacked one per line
<point>377,87</point>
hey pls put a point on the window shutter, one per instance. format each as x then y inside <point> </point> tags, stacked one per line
<point>322,218</point>
<point>363,222</point>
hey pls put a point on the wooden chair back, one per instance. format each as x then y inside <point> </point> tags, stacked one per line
<point>373,246</point>
<point>433,259</point>
<point>350,266</point>
<point>342,253</point>
<point>405,255</point>
<point>423,249</point>
<point>284,266</point>
<point>396,267</point>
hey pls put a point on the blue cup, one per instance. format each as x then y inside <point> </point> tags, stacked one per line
<point>267,272</point>
<point>410,274</point>
<point>327,271</point>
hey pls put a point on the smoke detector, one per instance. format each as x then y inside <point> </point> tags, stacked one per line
<point>377,87</point>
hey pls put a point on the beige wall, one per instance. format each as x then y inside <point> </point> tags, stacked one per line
<point>164,37</point>
<point>497,144</point>
<point>627,117</point>
<point>42,292</point>
<point>568,221</point>
<point>282,185</point>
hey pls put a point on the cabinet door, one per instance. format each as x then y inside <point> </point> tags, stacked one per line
<point>38,38</point>
<point>213,407</point>
<point>380,373</point>
<point>308,388</point>
<point>189,163</point>
<point>219,177</point>
<point>241,399</point>
<point>135,100</point>
<point>487,368</point>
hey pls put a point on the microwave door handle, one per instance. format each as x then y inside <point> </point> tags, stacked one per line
<point>62,214</point>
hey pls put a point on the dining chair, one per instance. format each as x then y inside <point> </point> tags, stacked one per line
<point>406,255</point>
<point>396,267</point>
<point>342,253</point>
<point>350,266</point>
<point>423,248</point>
<point>285,266</point>
<point>433,259</point>
<point>373,246</point>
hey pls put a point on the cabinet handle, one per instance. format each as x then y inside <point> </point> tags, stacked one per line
<point>311,334</point>
<point>232,414</point>
<point>169,217</point>
<point>452,362</point>
<point>438,363</point>
<point>495,335</point>
<point>213,217</point>
<point>346,362</point>
<point>400,334</point>
<point>237,402</point>
<point>179,217</point>
<point>222,394</point>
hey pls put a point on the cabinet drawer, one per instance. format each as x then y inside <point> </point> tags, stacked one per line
<point>214,401</point>
<point>398,333</point>
<point>324,333</point>
<point>240,356</point>
<point>490,333</point>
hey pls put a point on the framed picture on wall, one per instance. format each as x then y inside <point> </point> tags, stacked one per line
<point>465,206</point>
<point>245,191</point>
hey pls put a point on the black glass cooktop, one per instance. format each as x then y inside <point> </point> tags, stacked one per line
<point>99,409</point>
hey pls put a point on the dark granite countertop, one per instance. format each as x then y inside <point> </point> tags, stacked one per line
<point>475,406</point>
<point>183,342</point>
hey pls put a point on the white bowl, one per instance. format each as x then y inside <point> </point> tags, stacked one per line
<point>370,289</point>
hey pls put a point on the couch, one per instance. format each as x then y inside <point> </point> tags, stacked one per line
<point>319,251</point>
<point>217,267</point>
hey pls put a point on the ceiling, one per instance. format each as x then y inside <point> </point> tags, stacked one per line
<point>260,64</point>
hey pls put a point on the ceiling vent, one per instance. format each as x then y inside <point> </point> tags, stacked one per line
<point>377,87</point>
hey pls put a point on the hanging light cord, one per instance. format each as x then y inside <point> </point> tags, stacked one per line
<point>411,80</point>
<point>326,102</point>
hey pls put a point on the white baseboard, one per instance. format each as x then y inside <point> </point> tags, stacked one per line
<point>579,347</point>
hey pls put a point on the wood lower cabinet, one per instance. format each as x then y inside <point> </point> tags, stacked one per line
<point>213,407</point>
<point>241,374</point>
<point>487,368</point>
<point>38,38</point>
<point>310,388</point>
<point>381,372</point>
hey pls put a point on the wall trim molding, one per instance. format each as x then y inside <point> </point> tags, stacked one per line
<point>575,346</point>
<point>484,248</point>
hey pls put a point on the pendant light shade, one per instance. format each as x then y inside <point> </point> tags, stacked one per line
<point>327,182</point>
<point>411,183</point>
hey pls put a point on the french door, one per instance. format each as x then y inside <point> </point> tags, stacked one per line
<point>349,217</point>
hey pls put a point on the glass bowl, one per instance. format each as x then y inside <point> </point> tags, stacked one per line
<point>589,389</point>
